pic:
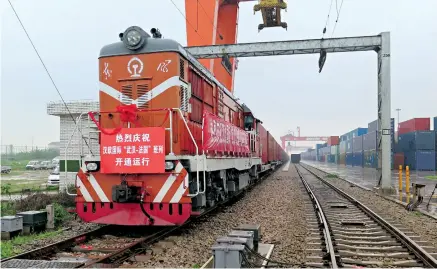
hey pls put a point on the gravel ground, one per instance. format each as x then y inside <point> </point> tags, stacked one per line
<point>77,227</point>
<point>423,226</point>
<point>272,204</point>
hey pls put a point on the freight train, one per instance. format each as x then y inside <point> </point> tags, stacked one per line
<point>174,142</point>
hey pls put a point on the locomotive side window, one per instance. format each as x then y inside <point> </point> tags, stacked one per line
<point>248,122</point>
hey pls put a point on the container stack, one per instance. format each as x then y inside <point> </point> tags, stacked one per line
<point>415,146</point>
<point>333,151</point>
<point>418,144</point>
<point>357,156</point>
<point>349,152</point>
<point>369,150</point>
<point>342,153</point>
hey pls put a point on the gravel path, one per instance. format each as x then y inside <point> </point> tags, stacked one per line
<point>423,226</point>
<point>274,204</point>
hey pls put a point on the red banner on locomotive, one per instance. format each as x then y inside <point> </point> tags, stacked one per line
<point>223,137</point>
<point>133,150</point>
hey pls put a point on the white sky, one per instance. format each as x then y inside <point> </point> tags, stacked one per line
<point>284,91</point>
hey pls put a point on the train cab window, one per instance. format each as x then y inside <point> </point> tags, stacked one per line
<point>248,122</point>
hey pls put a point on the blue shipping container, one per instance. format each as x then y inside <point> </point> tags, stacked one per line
<point>358,159</point>
<point>421,160</point>
<point>349,146</point>
<point>358,132</point>
<point>420,140</point>
<point>357,144</point>
<point>349,158</point>
<point>369,141</point>
<point>370,159</point>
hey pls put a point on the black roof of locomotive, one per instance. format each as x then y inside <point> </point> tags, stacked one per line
<point>151,45</point>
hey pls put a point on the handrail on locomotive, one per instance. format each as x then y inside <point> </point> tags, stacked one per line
<point>170,129</point>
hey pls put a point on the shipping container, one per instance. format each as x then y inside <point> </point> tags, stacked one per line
<point>333,140</point>
<point>342,147</point>
<point>333,158</point>
<point>358,132</point>
<point>369,141</point>
<point>435,123</point>
<point>342,158</point>
<point>370,160</point>
<point>416,124</point>
<point>295,158</point>
<point>421,160</point>
<point>334,150</point>
<point>420,140</point>
<point>349,146</point>
<point>399,159</point>
<point>357,159</point>
<point>373,126</point>
<point>357,144</point>
<point>349,159</point>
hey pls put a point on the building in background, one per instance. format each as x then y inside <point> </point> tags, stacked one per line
<point>84,141</point>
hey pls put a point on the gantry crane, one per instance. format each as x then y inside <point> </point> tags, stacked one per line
<point>215,22</point>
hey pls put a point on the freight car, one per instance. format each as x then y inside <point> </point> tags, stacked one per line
<point>295,158</point>
<point>173,140</point>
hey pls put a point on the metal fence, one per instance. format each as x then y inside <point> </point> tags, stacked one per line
<point>12,149</point>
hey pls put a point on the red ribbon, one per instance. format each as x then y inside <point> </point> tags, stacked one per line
<point>128,113</point>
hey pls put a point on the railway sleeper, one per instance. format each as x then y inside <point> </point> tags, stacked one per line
<point>397,255</point>
<point>369,243</point>
<point>405,263</point>
<point>379,248</point>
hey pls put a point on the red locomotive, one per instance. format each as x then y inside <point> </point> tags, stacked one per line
<point>173,140</point>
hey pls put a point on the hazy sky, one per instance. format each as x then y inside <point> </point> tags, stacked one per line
<point>283,91</point>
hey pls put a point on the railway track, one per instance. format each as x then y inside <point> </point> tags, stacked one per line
<point>104,245</point>
<point>346,233</point>
<point>107,246</point>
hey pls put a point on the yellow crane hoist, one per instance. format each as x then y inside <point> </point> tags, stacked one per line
<point>271,12</point>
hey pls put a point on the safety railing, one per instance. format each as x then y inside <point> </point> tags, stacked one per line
<point>170,129</point>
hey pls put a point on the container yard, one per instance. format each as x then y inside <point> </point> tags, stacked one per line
<point>415,146</point>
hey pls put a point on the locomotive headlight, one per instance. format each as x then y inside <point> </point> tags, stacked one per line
<point>134,37</point>
<point>169,165</point>
<point>91,166</point>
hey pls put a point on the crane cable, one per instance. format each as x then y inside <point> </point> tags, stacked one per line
<point>338,15</point>
<point>48,73</point>
<point>327,20</point>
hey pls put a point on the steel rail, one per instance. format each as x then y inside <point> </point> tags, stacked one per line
<point>323,223</point>
<point>417,250</point>
<point>63,244</point>
<point>121,255</point>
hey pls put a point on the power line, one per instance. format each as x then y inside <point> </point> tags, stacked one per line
<point>48,73</point>
<point>210,20</point>
<point>189,22</point>
<point>338,15</point>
